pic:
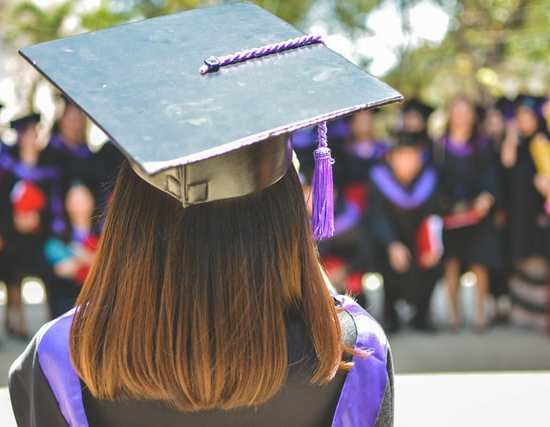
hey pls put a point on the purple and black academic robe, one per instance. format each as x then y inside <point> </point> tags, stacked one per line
<point>396,212</point>
<point>466,171</point>
<point>45,390</point>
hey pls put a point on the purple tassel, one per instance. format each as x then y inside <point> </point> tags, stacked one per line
<point>322,186</point>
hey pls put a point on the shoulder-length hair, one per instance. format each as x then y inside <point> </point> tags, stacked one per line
<point>188,305</point>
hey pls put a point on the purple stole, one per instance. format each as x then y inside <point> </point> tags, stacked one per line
<point>55,362</point>
<point>81,151</point>
<point>421,191</point>
<point>365,384</point>
<point>359,401</point>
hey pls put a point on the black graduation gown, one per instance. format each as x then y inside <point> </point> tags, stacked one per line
<point>464,173</point>
<point>45,391</point>
<point>528,224</point>
<point>6,223</point>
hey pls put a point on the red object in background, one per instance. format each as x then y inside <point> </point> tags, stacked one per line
<point>90,244</point>
<point>429,241</point>
<point>27,197</point>
<point>352,283</point>
<point>357,193</point>
<point>461,219</point>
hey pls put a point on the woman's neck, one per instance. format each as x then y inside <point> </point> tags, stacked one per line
<point>460,136</point>
<point>82,224</point>
<point>29,156</point>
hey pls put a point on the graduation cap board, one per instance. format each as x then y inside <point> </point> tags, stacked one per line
<point>141,84</point>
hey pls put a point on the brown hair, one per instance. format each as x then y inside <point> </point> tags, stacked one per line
<point>189,305</point>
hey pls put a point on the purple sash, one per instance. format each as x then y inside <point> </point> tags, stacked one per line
<point>55,362</point>
<point>358,405</point>
<point>81,151</point>
<point>366,383</point>
<point>461,150</point>
<point>423,187</point>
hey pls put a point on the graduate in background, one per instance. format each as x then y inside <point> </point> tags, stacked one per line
<point>468,180</point>
<point>71,252</point>
<point>359,153</point>
<point>6,223</point>
<point>406,227</point>
<point>348,254</point>
<point>32,180</point>
<point>77,160</point>
<point>496,120</point>
<point>529,224</point>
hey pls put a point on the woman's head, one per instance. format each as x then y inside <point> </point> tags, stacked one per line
<point>527,121</point>
<point>406,163</point>
<point>198,297</point>
<point>72,124</point>
<point>79,203</point>
<point>27,131</point>
<point>462,115</point>
<point>529,114</point>
<point>362,125</point>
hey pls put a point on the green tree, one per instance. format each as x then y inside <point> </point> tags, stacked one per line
<point>492,47</point>
<point>30,23</point>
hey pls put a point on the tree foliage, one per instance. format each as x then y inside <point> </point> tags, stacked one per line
<point>493,48</point>
<point>35,25</point>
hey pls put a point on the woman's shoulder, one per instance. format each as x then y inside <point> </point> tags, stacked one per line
<point>352,314</point>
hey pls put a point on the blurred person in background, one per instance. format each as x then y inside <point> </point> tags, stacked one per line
<point>360,152</point>
<point>529,223</point>
<point>414,119</point>
<point>32,196</point>
<point>468,179</point>
<point>77,161</point>
<point>71,252</point>
<point>406,228</point>
<point>495,124</point>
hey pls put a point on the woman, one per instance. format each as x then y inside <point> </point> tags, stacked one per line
<point>205,303</point>
<point>206,352</point>
<point>469,190</point>
<point>403,201</point>
<point>76,160</point>
<point>529,224</point>
<point>71,252</point>
<point>31,186</point>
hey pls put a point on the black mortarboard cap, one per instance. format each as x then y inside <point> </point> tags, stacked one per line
<point>531,102</point>
<point>415,104</point>
<point>402,138</point>
<point>202,137</point>
<point>506,106</point>
<point>21,123</point>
